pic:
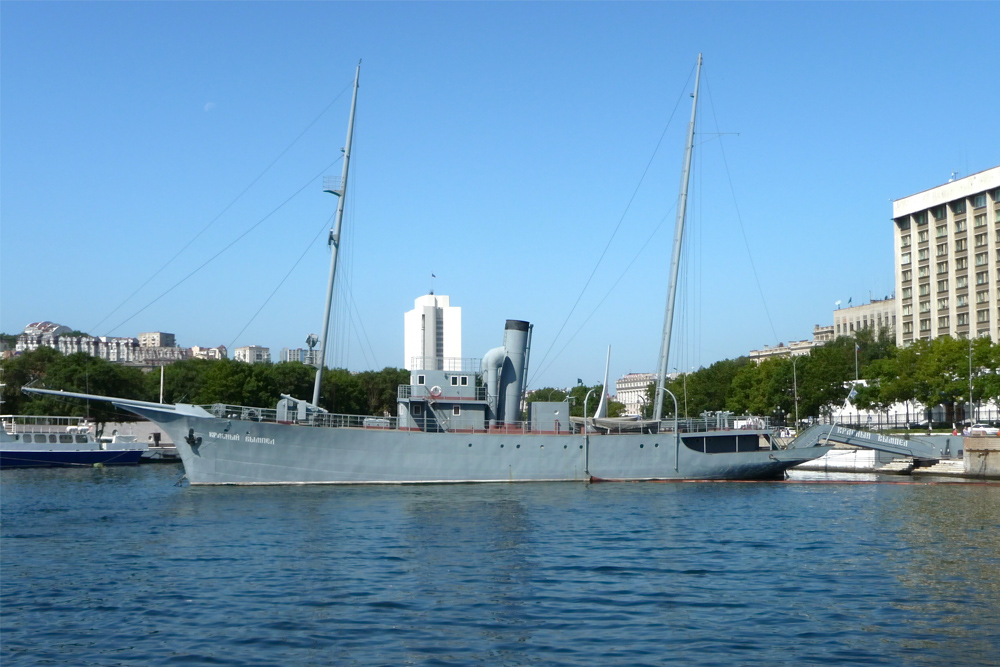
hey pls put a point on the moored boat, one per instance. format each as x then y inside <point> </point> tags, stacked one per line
<point>28,441</point>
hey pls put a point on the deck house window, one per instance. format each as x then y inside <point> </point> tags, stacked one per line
<point>456,410</point>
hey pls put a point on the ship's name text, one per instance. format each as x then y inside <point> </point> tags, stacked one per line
<point>236,436</point>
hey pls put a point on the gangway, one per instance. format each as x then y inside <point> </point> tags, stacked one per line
<point>917,448</point>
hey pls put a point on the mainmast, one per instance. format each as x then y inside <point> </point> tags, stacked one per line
<point>675,259</point>
<point>335,238</point>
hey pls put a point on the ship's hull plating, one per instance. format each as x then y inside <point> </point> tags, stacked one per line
<point>241,452</point>
<point>68,459</point>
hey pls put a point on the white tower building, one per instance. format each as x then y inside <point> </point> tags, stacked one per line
<point>432,332</point>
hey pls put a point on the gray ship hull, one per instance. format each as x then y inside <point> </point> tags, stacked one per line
<point>222,451</point>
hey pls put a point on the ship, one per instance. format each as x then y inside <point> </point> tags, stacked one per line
<point>461,421</point>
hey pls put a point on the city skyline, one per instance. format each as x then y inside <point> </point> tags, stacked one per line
<point>497,147</point>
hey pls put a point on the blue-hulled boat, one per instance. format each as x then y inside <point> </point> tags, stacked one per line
<point>54,442</point>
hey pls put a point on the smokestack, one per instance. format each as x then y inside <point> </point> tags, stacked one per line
<point>515,342</point>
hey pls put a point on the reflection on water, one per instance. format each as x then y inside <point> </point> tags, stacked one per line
<point>119,566</point>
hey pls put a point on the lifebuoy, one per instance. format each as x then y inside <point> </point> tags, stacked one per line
<point>435,391</point>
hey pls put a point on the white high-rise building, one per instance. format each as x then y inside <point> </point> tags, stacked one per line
<point>432,332</point>
<point>947,242</point>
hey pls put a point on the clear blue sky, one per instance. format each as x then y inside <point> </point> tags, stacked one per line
<point>497,146</point>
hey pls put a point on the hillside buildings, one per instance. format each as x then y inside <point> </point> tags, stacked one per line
<point>220,352</point>
<point>124,350</point>
<point>946,244</point>
<point>432,332</point>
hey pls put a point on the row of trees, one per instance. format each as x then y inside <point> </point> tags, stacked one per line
<point>932,372</point>
<point>197,381</point>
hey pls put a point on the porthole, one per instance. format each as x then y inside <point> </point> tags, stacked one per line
<point>470,444</point>
<point>541,446</point>
<point>565,446</point>
<point>641,445</point>
<point>656,445</point>
<point>518,446</point>
<point>501,445</point>
<point>581,446</point>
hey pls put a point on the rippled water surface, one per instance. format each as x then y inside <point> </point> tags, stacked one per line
<point>120,566</point>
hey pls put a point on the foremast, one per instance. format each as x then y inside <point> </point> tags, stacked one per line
<point>675,258</point>
<point>334,240</point>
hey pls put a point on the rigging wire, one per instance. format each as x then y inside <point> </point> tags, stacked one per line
<point>309,245</point>
<point>221,213</point>
<point>230,245</point>
<point>541,372</point>
<point>618,226</point>
<point>739,217</point>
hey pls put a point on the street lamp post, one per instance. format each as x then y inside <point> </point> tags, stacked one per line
<point>795,389</point>
<point>677,437</point>
<point>586,436</point>
<point>972,415</point>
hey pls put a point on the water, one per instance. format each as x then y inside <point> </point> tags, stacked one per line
<point>119,566</point>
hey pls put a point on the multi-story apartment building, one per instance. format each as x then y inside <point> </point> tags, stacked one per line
<point>879,315</point>
<point>157,339</point>
<point>253,354</point>
<point>947,249</point>
<point>307,357</point>
<point>822,333</point>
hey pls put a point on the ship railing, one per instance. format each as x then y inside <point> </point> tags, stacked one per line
<point>40,424</point>
<point>419,391</point>
<point>325,419</point>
